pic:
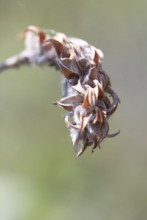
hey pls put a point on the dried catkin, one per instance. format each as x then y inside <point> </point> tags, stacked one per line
<point>87,95</point>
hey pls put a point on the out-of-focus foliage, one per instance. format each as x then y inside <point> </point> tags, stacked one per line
<point>40,176</point>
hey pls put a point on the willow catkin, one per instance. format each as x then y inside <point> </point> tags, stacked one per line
<point>87,95</point>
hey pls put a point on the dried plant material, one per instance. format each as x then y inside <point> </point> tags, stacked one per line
<point>87,91</point>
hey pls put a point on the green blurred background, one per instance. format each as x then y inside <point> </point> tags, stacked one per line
<point>40,176</point>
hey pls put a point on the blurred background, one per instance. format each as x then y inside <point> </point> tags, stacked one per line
<point>40,176</point>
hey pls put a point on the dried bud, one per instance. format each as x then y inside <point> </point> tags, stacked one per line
<point>86,87</point>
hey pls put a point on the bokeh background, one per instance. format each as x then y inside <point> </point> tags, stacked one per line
<point>40,176</point>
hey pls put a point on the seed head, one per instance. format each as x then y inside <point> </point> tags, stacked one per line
<point>86,87</point>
